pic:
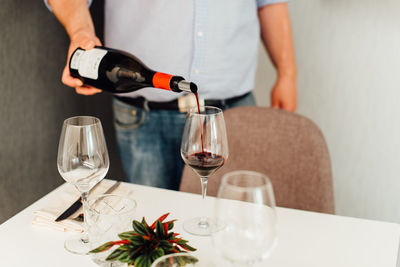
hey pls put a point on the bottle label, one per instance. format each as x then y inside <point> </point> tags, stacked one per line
<point>87,62</point>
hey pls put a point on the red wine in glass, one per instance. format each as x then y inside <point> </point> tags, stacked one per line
<point>204,163</point>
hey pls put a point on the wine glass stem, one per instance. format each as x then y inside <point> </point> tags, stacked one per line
<point>204,181</point>
<point>85,238</point>
<point>203,220</point>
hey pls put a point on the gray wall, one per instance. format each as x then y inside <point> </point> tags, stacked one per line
<point>348,55</point>
<point>34,103</point>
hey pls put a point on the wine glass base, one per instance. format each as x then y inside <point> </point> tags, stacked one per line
<point>201,226</point>
<point>77,246</point>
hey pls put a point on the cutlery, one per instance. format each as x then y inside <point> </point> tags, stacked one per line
<point>78,203</point>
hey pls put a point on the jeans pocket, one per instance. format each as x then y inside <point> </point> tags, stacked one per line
<point>128,117</point>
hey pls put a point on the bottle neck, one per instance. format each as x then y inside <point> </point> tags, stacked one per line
<point>187,86</point>
<point>174,83</point>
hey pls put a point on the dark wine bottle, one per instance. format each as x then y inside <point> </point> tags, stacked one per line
<point>120,72</point>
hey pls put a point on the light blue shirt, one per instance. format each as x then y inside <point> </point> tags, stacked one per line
<point>213,43</point>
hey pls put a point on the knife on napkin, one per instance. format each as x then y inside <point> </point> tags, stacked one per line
<point>78,203</point>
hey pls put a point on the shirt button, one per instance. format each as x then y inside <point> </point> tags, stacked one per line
<point>196,71</point>
<point>200,34</point>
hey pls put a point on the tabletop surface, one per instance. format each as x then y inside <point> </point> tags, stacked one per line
<point>305,238</point>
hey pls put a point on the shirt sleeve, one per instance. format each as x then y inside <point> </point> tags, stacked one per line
<point>261,3</point>
<point>46,2</point>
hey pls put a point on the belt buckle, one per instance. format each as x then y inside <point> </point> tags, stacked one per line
<point>187,102</point>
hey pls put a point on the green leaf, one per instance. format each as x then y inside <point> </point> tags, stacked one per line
<point>115,254</point>
<point>155,254</point>
<point>144,222</point>
<point>125,247</point>
<point>150,231</point>
<point>170,226</point>
<point>142,261</point>
<point>138,227</point>
<point>136,252</point>
<point>137,240</point>
<point>147,262</point>
<point>127,235</point>
<point>160,230</point>
<point>102,248</point>
<point>147,227</point>
<point>126,259</point>
<point>187,247</point>
<point>182,242</point>
<point>165,245</point>
<point>124,256</point>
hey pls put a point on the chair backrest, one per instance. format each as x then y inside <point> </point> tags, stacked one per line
<point>287,147</point>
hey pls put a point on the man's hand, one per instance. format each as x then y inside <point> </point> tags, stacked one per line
<point>74,15</point>
<point>277,37</point>
<point>85,41</point>
<point>284,94</point>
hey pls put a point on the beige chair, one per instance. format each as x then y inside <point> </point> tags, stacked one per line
<point>287,147</point>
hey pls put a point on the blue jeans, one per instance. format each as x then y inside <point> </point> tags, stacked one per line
<point>149,143</point>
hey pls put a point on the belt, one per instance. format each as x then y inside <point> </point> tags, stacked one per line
<point>141,102</point>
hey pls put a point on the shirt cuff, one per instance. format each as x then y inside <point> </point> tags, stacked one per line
<point>46,2</point>
<point>261,3</point>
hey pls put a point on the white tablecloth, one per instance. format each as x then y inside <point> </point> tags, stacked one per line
<point>305,238</point>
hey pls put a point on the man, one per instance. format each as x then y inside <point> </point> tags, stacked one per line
<point>213,43</point>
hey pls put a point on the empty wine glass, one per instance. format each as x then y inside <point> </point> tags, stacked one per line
<point>204,148</point>
<point>82,161</point>
<point>245,208</point>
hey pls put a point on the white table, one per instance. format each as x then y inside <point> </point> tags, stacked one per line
<point>305,238</point>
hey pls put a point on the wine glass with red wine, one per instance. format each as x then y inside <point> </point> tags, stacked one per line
<point>204,148</point>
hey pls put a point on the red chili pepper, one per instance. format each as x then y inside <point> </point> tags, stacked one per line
<point>145,237</point>
<point>161,219</point>
<point>125,242</point>
<point>183,246</point>
<point>174,241</point>
<point>165,228</point>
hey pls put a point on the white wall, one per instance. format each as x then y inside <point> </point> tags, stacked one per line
<point>348,55</point>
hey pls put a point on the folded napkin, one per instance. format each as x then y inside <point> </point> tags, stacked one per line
<point>46,216</point>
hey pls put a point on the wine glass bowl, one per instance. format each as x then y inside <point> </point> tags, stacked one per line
<point>245,210</point>
<point>82,161</point>
<point>204,148</point>
<point>82,155</point>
